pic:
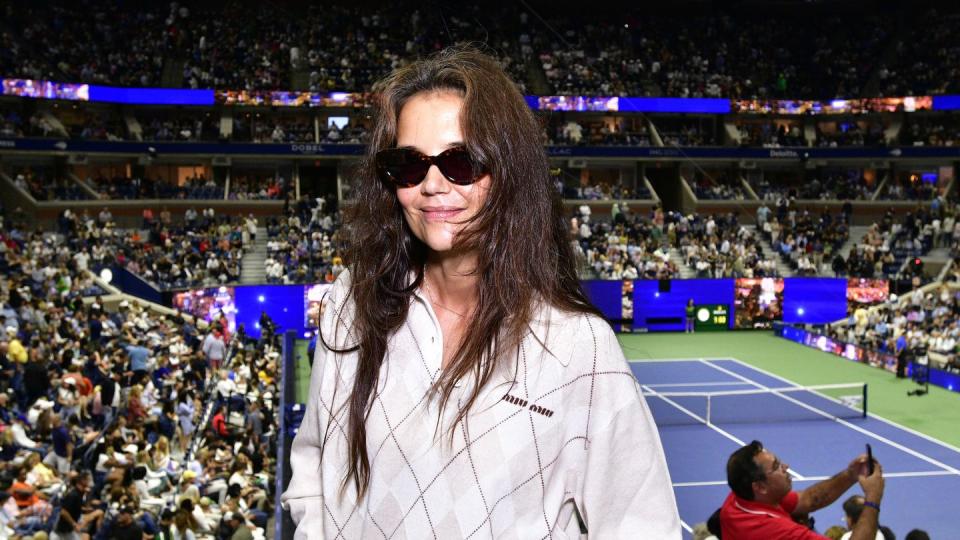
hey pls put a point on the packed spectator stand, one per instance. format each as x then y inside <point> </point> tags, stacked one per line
<point>632,52</point>
<point>119,418</point>
<point>803,240</point>
<point>922,324</point>
<point>302,246</point>
<point>201,250</point>
<point>626,247</point>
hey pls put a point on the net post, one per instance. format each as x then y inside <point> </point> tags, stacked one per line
<point>864,400</point>
<point>709,400</point>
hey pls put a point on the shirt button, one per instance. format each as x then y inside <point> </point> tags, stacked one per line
<point>432,339</point>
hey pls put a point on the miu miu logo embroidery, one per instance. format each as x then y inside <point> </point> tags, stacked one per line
<point>523,403</point>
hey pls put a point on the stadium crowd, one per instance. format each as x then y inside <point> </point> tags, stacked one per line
<point>628,246</point>
<point>201,250</point>
<point>196,186</point>
<point>722,187</point>
<point>922,324</point>
<point>828,185</point>
<point>718,246</point>
<point>889,242</point>
<point>302,246</point>
<point>119,421</point>
<point>346,48</point>
<point>803,240</point>
<point>46,186</point>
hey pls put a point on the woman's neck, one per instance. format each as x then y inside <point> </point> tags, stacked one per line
<point>452,282</point>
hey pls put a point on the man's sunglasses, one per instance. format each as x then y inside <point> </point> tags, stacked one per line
<point>406,167</point>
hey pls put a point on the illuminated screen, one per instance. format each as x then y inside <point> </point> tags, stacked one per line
<point>866,292</point>
<point>814,300</point>
<point>578,103</point>
<point>45,89</point>
<point>835,106</point>
<point>757,302</point>
<point>605,295</point>
<point>661,306</point>
<point>209,304</point>
<point>339,121</point>
<point>292,99</point>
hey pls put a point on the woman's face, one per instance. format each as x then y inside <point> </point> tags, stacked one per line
<point>436,209</point>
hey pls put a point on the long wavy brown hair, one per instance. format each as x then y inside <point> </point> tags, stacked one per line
<point>524,252</point>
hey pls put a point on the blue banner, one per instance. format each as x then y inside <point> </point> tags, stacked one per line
<point>675,105</point>
<point>946,103</point>
<point>151,96</point>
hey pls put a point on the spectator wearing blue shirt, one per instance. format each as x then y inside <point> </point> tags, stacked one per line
<point>139,361</point>
<point>901,342</point>
<point>96,328</point>
<point>62,453</point>
<point>881,328</point>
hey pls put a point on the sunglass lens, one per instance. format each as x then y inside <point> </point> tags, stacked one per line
<point>457,166</point>
<point>401,166</point>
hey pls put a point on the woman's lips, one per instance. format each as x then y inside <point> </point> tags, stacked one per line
<point>439,213</point>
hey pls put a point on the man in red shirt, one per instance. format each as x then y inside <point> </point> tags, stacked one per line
<point>763,505</point>
<point>219,424</point>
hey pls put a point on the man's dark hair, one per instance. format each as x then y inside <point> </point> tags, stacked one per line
<point>743,471</point>
<point>917,534</point>
<point>853,507</point>
<point>80,477</point>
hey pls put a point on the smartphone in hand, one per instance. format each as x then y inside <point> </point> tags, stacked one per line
<point>869,460</point>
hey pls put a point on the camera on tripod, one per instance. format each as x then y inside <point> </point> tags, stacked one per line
<point>920,372</point>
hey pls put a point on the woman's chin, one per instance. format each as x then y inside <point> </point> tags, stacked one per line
<point>440,245</point>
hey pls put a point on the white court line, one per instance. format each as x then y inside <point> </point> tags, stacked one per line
<point>821,478</point>
<point>702,420</point>
<point>841,421</point>
<point>874,416</point>
<point>688,528</point>
<point>658,360</point>
<point>728,383</point>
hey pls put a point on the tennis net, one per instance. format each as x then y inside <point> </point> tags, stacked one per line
<point>759,405</point>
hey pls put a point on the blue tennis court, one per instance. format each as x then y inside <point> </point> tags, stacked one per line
<point>816,433</point>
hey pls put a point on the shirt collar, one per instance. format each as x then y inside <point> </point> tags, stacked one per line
<point>544,318</point>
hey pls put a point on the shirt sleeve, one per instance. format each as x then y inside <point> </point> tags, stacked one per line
<point>304,494</point>
<point>627,491</point>
<point>790,501</point>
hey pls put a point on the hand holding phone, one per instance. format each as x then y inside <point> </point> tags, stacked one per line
<point>869,460</point>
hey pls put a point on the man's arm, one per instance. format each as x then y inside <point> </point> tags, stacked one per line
<point>866,527</point>
<point>824,493</point>
<point>66,516</point>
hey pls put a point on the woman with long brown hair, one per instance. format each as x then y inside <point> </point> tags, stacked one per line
<point>464,386</point>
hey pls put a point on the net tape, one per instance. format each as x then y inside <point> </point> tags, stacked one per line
<point>759,405</point>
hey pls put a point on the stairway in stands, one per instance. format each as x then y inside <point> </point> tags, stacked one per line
<point>252,271</point>
<point>783,269</point>
<point>685,271</point>
<point>857,232</point>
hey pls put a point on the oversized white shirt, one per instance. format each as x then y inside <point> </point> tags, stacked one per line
<point>564,426</point>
